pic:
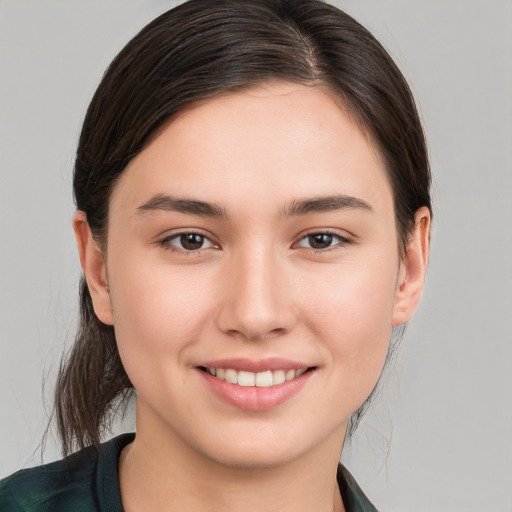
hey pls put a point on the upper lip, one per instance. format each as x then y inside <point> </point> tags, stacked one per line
<point>256,365</point>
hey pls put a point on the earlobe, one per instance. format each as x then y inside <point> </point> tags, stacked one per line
<point>93,266</point>
<point>411,276</point>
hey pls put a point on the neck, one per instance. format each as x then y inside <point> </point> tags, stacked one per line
<point>159,472</point>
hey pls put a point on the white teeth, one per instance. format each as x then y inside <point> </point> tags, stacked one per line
<point>290,375</point>
<point>249,379</point>
<point>278,377</point>
<point>232,376</point>
<point>264,379</point>
<point>246,379</point>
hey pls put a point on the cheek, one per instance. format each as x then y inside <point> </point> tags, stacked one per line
<point>353,315</point>
<point>158,312</point>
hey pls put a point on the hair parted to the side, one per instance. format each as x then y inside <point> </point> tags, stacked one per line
<point>193,52</point>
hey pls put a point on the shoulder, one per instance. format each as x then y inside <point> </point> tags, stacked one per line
<point>51,487</point>
<point>76,482</point>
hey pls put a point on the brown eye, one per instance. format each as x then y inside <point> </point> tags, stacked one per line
<point>320,240</point>
<point>187,242</point>
<point>191,241</point>
<point>326,240</point>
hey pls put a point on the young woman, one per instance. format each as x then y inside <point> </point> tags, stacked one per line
<point>253,212</point>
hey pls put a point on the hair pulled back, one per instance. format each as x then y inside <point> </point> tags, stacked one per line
<point>193,52</point>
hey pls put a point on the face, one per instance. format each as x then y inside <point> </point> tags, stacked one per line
<point>253,241</point>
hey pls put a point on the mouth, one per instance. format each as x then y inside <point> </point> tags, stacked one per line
<point>255,384</point>
<point>263,379</point>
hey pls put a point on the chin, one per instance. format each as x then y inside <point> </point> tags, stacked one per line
<point>267,448</point>
<point>253,458</point>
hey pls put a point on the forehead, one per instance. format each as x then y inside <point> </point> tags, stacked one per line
<point>275,141</point>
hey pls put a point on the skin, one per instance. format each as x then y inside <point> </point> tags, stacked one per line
<point>256,288</point>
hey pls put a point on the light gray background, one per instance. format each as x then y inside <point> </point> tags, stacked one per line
<point>439,438</point>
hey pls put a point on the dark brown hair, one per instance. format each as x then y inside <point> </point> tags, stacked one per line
<point>193,52</point>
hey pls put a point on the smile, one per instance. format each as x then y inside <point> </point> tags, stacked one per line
<point>263,379</point>
<point>255,385</point>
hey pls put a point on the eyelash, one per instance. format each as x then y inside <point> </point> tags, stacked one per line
<point>342,240</point>
<point>166,243</point>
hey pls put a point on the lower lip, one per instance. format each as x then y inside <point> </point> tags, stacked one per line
<point>253,398</point>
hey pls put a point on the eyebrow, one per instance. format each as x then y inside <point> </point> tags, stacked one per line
<point>166,203</point>
<point>326,204</point>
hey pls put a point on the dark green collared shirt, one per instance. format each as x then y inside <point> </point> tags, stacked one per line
<point>87,481</point>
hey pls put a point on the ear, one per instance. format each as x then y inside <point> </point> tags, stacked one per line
<point>411,276</point>
<point>93,265</point>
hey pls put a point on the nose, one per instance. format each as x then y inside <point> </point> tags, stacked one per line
<point>256,302</point>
